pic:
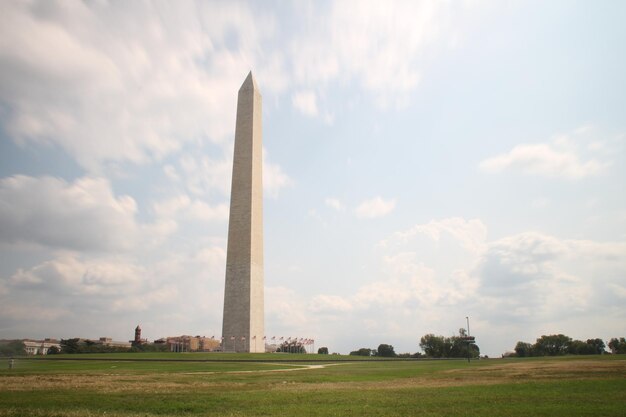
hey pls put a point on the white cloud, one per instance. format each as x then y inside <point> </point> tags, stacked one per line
<point>80,291</point>
<point>68,274</point>
<point>286,309</point>
<point>202,211</point>
<point>144,301</point>
<point>82,215</point>
<point>183,207</point>
<point>376,207</point>
<point>205,176</point>
<point>171,172</point>
<point>381,293</point>
<point>334,203</point>
<point>209,176</point>
<point>471,233</point>
<point>522,284</point>
<point>535,278</point>
<point>213,258</point>
<point>411,274</point>
<point>87,78</point>
<point>44,313</point>
<point>540,203</point>
<point>597,146</point>
<point>174,288</point>
<point>619,290</point>
<point>329,304</point>
<point>168,208</point>
<point>305,102</point>
<point>559,159</point>
<point>375,43</point>
<point>274,178</point>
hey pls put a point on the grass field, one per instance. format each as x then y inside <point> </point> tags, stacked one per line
<point>217,385</point>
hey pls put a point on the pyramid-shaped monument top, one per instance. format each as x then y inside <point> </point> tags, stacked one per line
<point>249,83</point>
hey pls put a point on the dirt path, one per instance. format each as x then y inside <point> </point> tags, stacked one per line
<point>295,367</point>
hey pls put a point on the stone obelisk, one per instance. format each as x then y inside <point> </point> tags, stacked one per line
<point>243,327</point>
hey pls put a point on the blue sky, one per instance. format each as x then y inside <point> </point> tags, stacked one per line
<point>424,162</point>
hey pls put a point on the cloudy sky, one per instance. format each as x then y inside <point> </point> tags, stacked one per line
<point>423,162</point>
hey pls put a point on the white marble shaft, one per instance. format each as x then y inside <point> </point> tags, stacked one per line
<point>244,314</point>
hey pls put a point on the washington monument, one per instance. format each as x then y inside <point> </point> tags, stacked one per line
<point>243,326</point>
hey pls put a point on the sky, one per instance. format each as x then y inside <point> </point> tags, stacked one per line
<point>424,162</point>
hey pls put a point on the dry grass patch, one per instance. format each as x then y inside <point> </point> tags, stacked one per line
<point>489,373</point>
<point>544,370</point>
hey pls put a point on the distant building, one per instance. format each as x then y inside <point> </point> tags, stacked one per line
<point>107,341</point>
<point>190,343</point>
<point>138,340</point>
<point>40,347</point>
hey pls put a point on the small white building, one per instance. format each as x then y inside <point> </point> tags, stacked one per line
<point>40,347</point>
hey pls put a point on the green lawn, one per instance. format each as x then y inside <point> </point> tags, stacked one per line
<point>572,386</point>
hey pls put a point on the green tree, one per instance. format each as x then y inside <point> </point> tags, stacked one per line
<point>578,347</point>
<point>322,351</point>
<point>523,349</point>
<point>11,348</point>
<point>385,351</point>
<point>448,347</point>
<point>53,350</point>
<point>459,347</point>
<point>433,346</point>
<point>291,346</point>
<point>617,345</point>
<point>149,347</point>
<point>70,345</point>
<point>597,346</point>
<point>552,345</point>
<point>558,344</point>
<point>362,352</point>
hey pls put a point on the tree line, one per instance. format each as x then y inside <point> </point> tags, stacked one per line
<point>384,350</point>
<point>458,346</point>
<point>10,348</point>
<point>559,344</point>
<point>77,345</point>
<point>433,346</point>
